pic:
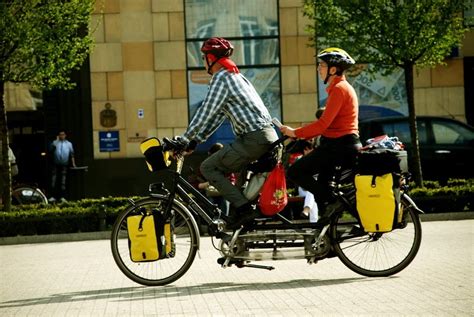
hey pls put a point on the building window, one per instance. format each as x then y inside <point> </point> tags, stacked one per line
<point>252,27</point>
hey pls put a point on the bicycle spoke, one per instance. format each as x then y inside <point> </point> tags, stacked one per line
<point>167,269</point>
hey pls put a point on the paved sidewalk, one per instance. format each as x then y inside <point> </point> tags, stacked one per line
<point>81,279</point>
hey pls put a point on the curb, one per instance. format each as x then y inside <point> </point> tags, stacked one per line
<point>105,235</point>
<point>462,215</point>
<point>60,237</point>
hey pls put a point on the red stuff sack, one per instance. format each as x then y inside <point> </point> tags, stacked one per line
<point>274,197</point>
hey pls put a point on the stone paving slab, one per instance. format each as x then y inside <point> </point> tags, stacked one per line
<point>81,279</point>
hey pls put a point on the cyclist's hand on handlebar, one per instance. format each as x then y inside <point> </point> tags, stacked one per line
<point>181,145</point>
<point>289,131</point>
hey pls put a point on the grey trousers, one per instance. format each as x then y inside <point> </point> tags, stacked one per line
<point>234,158</point>
<point>61,171</point>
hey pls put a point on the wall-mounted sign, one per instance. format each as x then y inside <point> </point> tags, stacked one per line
<point>108,116</point>
<point>138,136</point>
<point>109,141</point>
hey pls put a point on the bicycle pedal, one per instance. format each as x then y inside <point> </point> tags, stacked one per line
<point>222,260</point>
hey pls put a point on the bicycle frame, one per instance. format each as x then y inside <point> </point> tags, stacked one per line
<point>195,201</point>
<point>201,207</point>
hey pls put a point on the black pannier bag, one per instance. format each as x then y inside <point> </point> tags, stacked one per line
<point>381,161</point>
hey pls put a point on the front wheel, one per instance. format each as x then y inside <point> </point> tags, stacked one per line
<point>164,270</point>
<point>377,254</point>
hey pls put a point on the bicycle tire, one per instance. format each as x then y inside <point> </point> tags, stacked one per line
<point>28,195</point>
<point>162,271</point>
<point>377,254</point>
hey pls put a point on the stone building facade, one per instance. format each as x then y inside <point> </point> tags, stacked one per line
<point>139,66</point>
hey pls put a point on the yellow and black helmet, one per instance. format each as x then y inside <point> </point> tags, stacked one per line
<point>334,56</point>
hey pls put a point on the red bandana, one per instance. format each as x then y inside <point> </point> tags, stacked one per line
<point>228,64</point>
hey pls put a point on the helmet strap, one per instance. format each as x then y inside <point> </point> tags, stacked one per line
<point>327,76</point>
<point>210,65</point>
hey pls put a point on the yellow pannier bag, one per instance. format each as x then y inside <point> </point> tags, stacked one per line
<point>165,232</point>
<point>169,241</point>
<point>143,242</point>
<point>376,201</point>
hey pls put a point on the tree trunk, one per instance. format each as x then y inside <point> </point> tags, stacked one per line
<point>6,191</point>
<point>416,163</point>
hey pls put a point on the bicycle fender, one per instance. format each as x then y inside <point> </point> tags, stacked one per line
<point>193,221</point>
<point>412,203</point>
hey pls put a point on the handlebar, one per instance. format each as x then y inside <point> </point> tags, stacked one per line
<point>173,145</point>
<point>178,147</point>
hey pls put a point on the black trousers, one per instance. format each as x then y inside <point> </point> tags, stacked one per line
<point>322,162</point>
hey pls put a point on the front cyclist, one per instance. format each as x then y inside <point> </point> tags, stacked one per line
<point>338,128</point>
<point>230,96</point>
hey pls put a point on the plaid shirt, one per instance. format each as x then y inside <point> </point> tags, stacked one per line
<point>233,97</point>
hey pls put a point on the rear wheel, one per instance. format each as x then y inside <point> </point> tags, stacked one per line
<point>165,270</point>
<point>377,254</point>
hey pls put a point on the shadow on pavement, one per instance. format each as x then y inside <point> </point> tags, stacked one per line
<point>143,293</point>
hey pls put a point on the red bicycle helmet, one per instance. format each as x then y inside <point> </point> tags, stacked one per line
<point>217,46</point>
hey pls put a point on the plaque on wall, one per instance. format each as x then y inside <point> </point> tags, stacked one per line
<point>109,141</point>
<point>108,116</point>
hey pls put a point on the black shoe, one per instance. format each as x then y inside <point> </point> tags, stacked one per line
<point>244,208</point>
<point>243,218</point>
<point>231,217</point>
<point>238,263</point>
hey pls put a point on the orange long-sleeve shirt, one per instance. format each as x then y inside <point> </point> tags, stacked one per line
<point>341,115</point>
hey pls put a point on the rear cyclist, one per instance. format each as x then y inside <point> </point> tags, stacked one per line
<point>338,128</point>
<point>230,96</point>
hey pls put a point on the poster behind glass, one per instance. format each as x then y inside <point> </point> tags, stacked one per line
<point>244,20</point>
<point>379,95</point>
<point>265,80</point>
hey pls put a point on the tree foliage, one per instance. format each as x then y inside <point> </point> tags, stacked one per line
<point>41,42</point>
<point>390,34</point>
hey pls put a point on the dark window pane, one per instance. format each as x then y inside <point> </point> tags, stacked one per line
<point>252,27</point>
<point>402,131</point>
<point>451,133</point>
